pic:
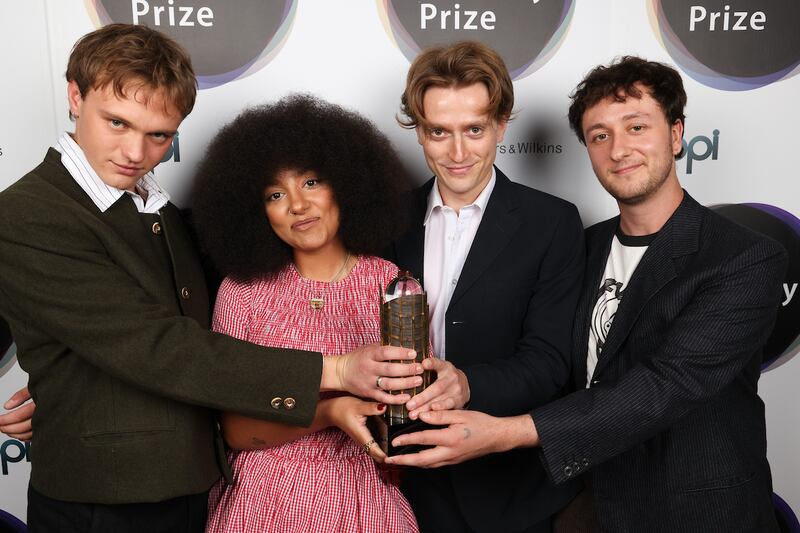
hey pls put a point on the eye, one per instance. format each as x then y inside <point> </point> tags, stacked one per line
<point>638,128</point>
<point>311,182</point>
<point>436,132</point>
<point>476,130</point>
<point>600,137</point>
<point>116,123</point>
<point>273,196</point>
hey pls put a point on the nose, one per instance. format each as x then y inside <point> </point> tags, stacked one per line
<point>133,148</point>
<point>298,203</point>
<point>457,151</point>
<point>619,148</point>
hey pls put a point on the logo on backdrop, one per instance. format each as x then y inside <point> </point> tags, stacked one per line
<point>692,149</point>
<point>227,40</point>
<point>526,33</point>
<point>13,451</point>
<point>784,227</point>
<point>8,350</point>
<point>174,151</point>
<point>787,520</point>
<point>731,45</point>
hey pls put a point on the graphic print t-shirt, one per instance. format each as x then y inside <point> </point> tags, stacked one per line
<point>626,252</point>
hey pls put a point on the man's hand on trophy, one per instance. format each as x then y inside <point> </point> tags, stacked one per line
<point>449,391</point>
<point>17,423</point>
<point>350,414</point>
<point>467,435</point>
<point>373,370</point>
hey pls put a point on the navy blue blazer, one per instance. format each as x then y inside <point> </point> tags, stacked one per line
<point>672,430</point>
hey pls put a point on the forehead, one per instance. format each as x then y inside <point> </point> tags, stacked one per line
<point>618,108</point>
<point>447,104</point>
<point>152,104</point>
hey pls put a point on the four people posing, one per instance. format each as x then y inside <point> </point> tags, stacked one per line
<point>105,298</point>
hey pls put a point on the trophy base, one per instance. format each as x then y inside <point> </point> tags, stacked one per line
<point>384,435</point>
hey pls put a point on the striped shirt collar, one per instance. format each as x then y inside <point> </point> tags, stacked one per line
<point>102,194</point>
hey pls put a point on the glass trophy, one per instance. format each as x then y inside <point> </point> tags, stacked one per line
<point>404,322</point>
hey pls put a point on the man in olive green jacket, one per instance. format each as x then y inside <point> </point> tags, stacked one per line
<point>106,300</point>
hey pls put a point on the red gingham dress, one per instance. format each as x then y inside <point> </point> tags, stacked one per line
<point>322,482</point>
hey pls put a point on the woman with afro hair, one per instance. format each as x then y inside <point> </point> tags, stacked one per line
<point>291,203</point>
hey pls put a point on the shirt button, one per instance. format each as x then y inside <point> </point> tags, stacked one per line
<point>453,282</point>
<point>289,403</point>
<point>185,294</point>
<point>156,228</point>
<point>276,402</point>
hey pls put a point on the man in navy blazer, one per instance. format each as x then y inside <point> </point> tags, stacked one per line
<point>665,421</point>
<point>502,265</point>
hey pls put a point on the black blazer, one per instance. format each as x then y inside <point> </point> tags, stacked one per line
<point>672,429</point>
<point>508,327</point>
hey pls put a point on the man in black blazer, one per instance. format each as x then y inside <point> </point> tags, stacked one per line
<point>106,299</point>
<point>666,425</point>
<point>502,265</point>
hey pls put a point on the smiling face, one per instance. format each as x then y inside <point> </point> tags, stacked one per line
<point>123,138</point>
<point>459,140</point>
<point>303,212</point>
<point>632,146</point>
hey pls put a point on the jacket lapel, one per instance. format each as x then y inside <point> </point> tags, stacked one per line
<point>678,237</point>
<point>498,224</point>
<point>598,240</point>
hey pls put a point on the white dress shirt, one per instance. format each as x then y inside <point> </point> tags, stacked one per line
<point>448,238</point>
<point>102,194</point>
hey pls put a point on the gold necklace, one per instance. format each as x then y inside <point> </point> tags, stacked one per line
<point>318,302</point>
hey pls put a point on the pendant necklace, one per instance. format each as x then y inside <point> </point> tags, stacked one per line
<point>318,302</point>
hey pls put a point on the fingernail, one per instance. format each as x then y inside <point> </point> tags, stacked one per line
<point>381,406</point>
<point>418,381</point>
<point>412,354</point>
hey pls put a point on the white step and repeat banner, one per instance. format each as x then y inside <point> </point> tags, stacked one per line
<point>739,59</point>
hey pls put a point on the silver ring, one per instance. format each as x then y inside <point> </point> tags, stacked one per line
<point>368,445</point>
<point>378,381</point>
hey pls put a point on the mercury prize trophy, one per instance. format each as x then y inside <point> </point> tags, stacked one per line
<point>404,322</point>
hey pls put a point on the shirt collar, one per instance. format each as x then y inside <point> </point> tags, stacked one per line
<point>435,198</point>
<point>102,194</point>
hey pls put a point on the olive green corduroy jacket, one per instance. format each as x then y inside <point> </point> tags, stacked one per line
<point>110,318</point>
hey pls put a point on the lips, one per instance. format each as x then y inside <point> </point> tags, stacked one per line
<point>459,170</point>
<point>126,170</point>
<point>626,169</point>
<point>304,224</point>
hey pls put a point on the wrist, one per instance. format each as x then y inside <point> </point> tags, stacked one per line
<point>330,375</point>
<point>520,433</point>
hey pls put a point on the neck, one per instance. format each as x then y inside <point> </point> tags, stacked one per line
<point>321,265</point>
<point>649,216</point>
<point>456,201</point>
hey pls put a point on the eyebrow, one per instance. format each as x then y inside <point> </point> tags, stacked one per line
<point>107,115</point>
<point>629,116</point>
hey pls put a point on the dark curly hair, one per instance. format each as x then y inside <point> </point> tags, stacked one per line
<point>619,80</point>
<point>303,133</point>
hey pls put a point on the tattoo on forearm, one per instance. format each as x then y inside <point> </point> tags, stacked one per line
<point>467,433</point>
<point>258,442</point>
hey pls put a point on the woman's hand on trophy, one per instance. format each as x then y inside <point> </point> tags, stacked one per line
<point>371,371</point>
<point>449,391</point>
<point>17,423</point>
<point>350,414</point>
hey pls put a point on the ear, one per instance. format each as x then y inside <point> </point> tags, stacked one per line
<point>676,130</point>
<point>420,134</point>
<point>501,129</point>
<point>74,98</point>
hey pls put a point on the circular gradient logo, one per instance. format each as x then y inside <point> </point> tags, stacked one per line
<point>8,351</point>
<point>526,33</point>
<point>787,520</point>
<point>783,227</point>
<point>733,46</point>
<point>226,40</point>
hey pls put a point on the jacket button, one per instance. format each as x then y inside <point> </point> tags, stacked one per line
<point>289,403</point>
<point>568,471</point>
<point>585,462</point>
<point>185,294</point>
<point>595,381</point>
<point>276,402</point>
<point>156,228</point>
